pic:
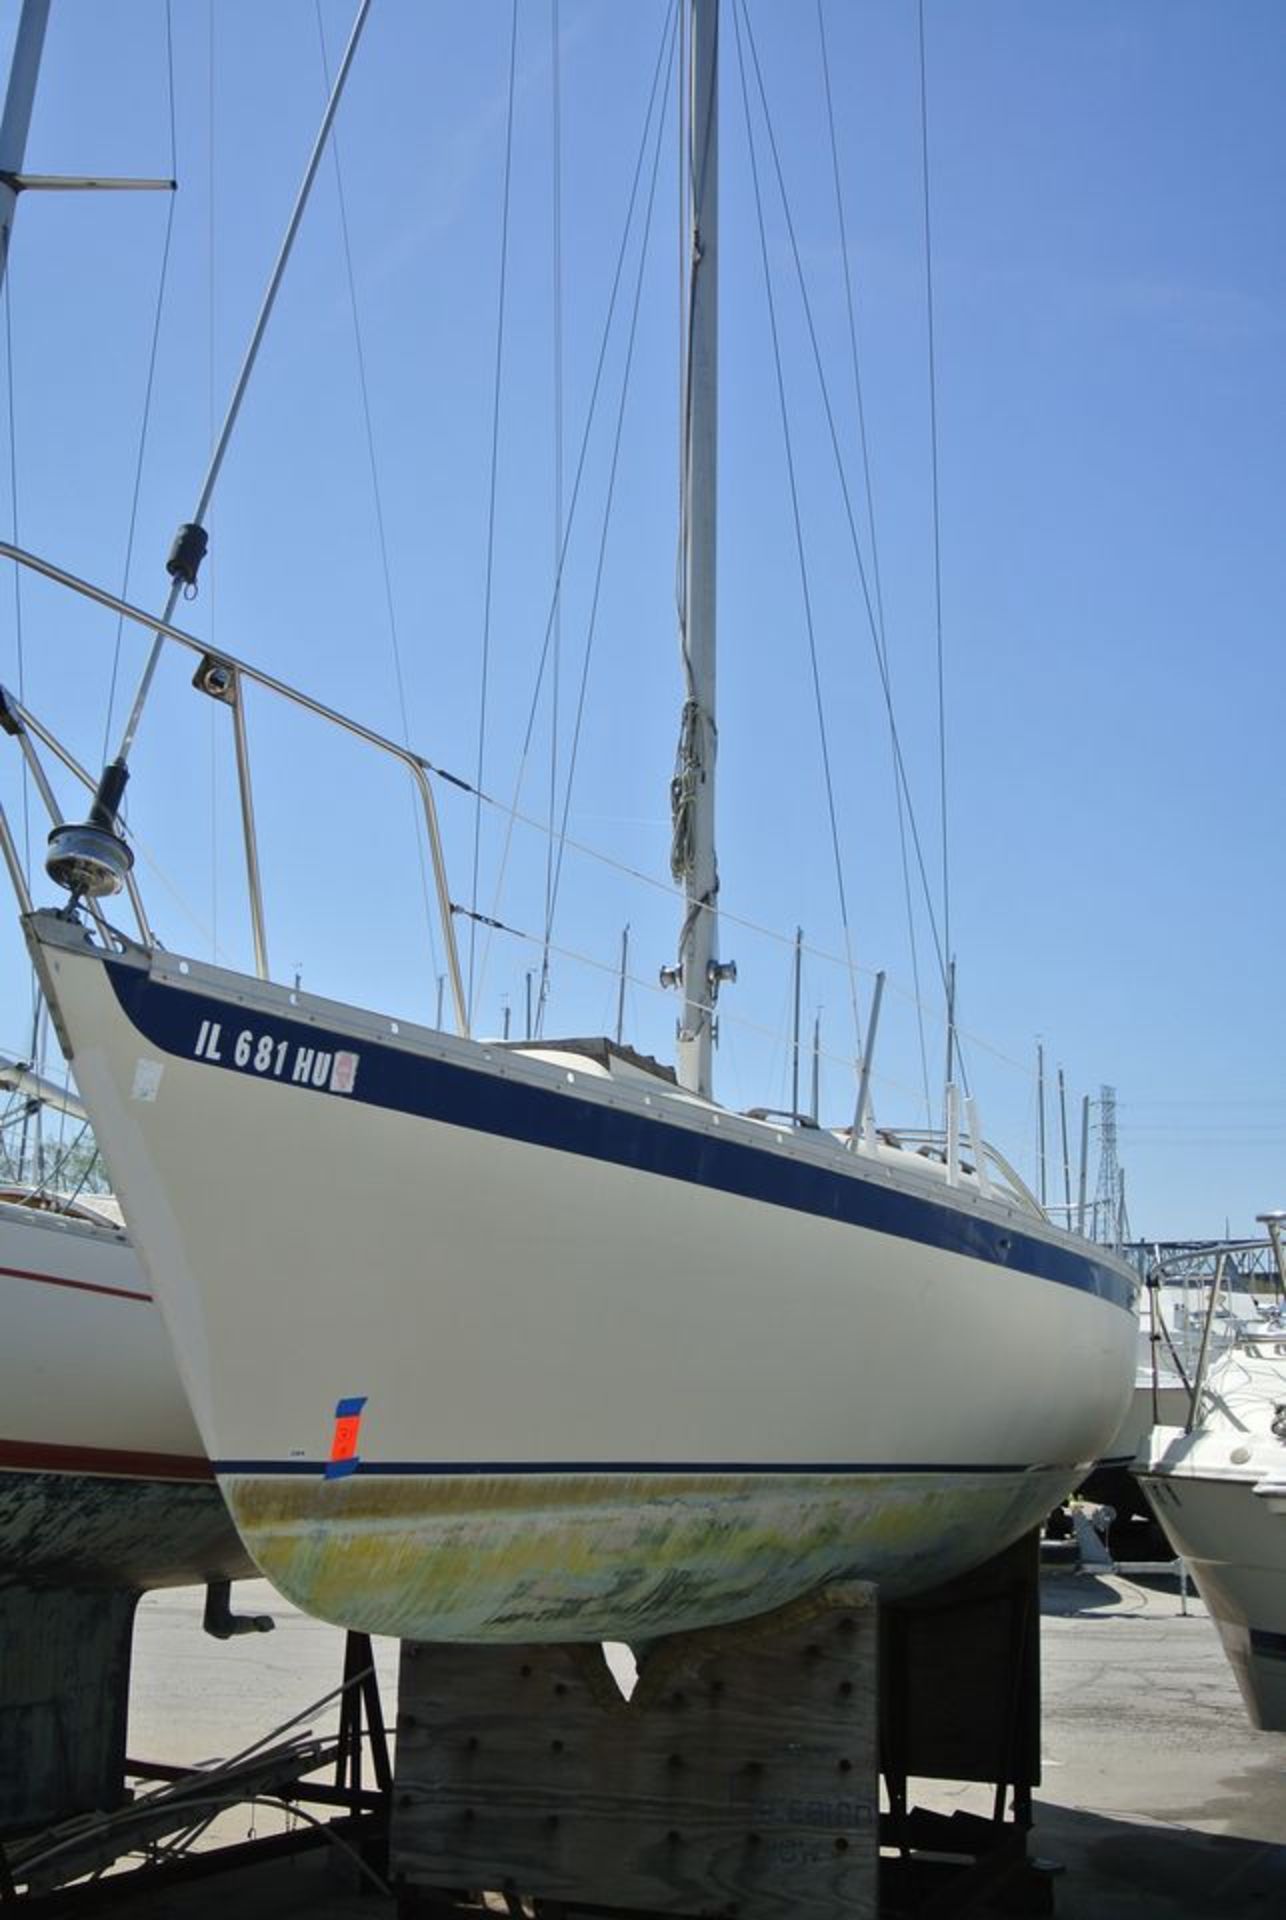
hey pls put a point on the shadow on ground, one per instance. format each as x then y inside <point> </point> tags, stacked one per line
<point>1067,1591</point>
<point>1132,1870</point>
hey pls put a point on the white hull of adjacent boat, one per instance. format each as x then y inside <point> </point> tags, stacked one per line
<point>1160,1404</point>
<point>493,1347</point>
<point>103,1478</point>
<point>1220,1492</point>
<point>1235,1546</point>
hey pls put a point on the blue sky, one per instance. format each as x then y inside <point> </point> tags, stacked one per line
<point>1106,190</point>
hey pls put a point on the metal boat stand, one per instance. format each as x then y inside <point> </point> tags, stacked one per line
<point>960,1702</point>
<point>162,1823</point>
<point>66,1648</point>
<point>742,1778</point>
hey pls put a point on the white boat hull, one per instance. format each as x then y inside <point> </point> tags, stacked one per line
<point>1235,1545</point>
<point>103,1477</point>
<point>1162,1405</point>
<point>1218,1492</point>
<point>623,1364</point>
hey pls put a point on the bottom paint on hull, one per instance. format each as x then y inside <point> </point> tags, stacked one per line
<point>92,1530</point>
<point>594,1556</point>
<point>103,1478</point>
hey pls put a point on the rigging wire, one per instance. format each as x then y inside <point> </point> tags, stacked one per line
<point>182,578</point>
<point>554,691</point>
<point>377,497</point>
<point>937,542</point>
<point>805,589</point>
<point>592,632</point>
<point>611,970</point>
<point>851,313</point>
<point>514,817</point>
<point>150,382</point>
<point>846,496</point>
<point>495,464</point>
<point>661,66</point>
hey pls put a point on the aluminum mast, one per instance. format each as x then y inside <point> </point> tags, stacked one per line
<point>699,973</point>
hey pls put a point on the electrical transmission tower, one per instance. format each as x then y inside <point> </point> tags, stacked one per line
<point>1109,1199</point>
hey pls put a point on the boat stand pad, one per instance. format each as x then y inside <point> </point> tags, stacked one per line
<point>740,1777</point>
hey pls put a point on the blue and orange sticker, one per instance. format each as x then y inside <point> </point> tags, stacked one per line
<point>343,1446</point>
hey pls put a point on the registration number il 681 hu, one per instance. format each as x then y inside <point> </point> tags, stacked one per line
<point>264,1053</point>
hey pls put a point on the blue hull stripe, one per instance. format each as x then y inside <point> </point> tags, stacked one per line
<point>705,1469</point>
<point>399,1081</point>
<point>1270,1646</point>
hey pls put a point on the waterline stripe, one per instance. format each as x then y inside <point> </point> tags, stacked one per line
<point>654,1469</point>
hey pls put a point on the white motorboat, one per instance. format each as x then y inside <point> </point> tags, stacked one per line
<point>1162,1401</point>
<point>1217,1484</point>
<point>1219,1490</point>
<point>540,1342</point>
<point>1190,1302</point>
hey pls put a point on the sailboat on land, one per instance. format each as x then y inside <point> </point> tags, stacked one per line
<point>539,1342</point>
<point>104,1484</point>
